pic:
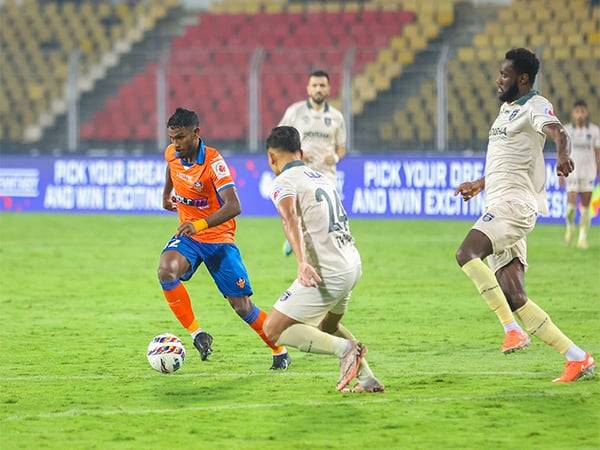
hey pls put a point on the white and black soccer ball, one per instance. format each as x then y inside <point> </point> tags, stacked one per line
<point>166,353</point>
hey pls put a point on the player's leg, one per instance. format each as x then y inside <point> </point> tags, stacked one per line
<point>367,382</point>
<point>538,323</point>
<point>476,247</point>
<point>584,220</point>
<point>173,266</point>
<point>570,215</point>
<point>285,330</point>
<point>225,265</point>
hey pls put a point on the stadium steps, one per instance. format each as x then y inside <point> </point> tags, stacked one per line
<point>133,62</point>
<point>469,21</point>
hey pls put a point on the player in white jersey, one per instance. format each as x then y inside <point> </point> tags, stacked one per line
<point>307,316</point>
<point>321,126</point>
<point>514,182</point>
<point>585,145</point>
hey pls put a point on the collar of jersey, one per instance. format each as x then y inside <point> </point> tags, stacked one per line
<point>294,163</point>
<point>310,106</point>
<point>522,100</point>
<point>201,154</point>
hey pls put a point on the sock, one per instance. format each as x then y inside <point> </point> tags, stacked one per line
<point>584,224</point>
<point>364,372</point>
<point>570,215</point>
<point>256,319</point>
<point>312,340</point>
<point>574,353</point>
<point>512,326</point>
<point>488,287</point>
<point>538,323</point>
<point>196,332</point>
<point>179,301</point>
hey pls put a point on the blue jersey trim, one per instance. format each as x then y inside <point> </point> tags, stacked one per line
<point>227,186</point>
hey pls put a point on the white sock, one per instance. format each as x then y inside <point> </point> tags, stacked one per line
<point>195,333</point>
<point>574,353</point>
<point>512,326</point>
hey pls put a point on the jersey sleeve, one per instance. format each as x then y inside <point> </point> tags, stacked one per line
<point>220,174</point>
<point>340,134</point>
<point>542,113</point>
<point>169,153</point>
<point>288,118</point>
<point>281,189</point>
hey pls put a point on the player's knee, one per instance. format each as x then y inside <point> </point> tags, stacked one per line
<point>167,272</point>
<point>241,305</point>
<point>328,326</point>
<point>464,255</point>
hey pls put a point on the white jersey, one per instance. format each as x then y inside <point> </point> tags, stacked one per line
<point>329,245</point>
<point>584,141</point>
<point>320,132</point>
<point>514,166</point>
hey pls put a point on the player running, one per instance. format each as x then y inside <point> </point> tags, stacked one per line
<point>307,316</point>
<point>322,129</point>
<point>199,187</point>
<point>585,138</point>
<point>514,182</point>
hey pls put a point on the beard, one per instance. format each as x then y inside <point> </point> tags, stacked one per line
<point>510,94</point>
<point>318,99</point>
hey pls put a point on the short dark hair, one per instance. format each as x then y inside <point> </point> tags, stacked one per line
<point>284,138</point>
<point>183,118</point>
<point>580,103</point>
<point>319,73</point>
<point>524,61</point>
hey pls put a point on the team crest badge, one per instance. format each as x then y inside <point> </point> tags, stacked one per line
<point>513,114</point>
<point>487,217</point>
<point>241,283</point>
<point>327,121</point>
<point>198,185</point>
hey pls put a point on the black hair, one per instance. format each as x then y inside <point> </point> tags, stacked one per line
<point>580,103</point>
<point>524,61</point>
<point>183,118</point>
<point>319,73</point>
<point>284,138</point>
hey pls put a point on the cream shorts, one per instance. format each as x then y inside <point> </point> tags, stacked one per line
<point>581,184</point>
<point>507,225</point>
<point>309,305</point>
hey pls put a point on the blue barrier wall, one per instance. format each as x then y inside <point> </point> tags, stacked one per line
<point>371,187</point>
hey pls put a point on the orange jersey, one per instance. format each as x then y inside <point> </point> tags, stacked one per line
<point>197,190</point>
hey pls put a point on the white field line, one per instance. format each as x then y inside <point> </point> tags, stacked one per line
<point>345,400</point>
<point>217,375</point>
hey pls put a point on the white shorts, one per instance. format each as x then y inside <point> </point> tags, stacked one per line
<point>309,305</point>
<point>507,225</point>
<point>580,184</point>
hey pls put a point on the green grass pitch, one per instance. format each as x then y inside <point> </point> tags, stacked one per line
<point>79,302</point>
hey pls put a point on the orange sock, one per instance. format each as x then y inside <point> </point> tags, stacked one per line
<point>180,303</point>
<point>256,319</point>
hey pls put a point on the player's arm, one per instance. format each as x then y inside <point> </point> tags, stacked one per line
<point>168,203</point>
<point>307,275</point>
<point>597,151</point>
<point>470,189</point>
<point>556,132</point>
<point>228,210</point>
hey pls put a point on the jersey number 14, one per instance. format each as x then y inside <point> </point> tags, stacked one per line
<point>338,220</point>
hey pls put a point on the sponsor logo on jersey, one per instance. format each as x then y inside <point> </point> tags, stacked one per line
<point>513,114</point>
<point>241,283</point>
<point>498,131</point>
<point>185,176</point>
<point>487,217</point>
<point>220,168</point>
<point>318,134</point>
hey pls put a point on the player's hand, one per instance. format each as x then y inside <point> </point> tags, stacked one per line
<point>186,229</point>
<point>564,166</point>
<point>468,189</point>
<point>307,275</point>
<point>330,160</point>
<point>169,204</point>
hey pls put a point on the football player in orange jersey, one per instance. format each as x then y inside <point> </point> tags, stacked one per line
<point>200,188</point>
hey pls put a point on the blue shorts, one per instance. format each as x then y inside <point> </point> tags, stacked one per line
<point>223,261</point>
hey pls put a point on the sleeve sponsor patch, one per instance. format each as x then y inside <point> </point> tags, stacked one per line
<point>220,169</point>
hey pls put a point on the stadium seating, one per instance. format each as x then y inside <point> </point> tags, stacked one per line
<point>208,65</point>
<point>36,38</point>
<point>565,34</point>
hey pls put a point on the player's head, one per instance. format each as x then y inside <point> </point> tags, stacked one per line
<point>517,74</point>
<point>184,131</point>
<point>283,146</point>
<point>318,88</point>
<point>580,113</point>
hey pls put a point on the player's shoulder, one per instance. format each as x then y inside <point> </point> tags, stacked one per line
<point>212,154</point>
<point>334,111</point>
<point>594,128</point>
<point>297,106</point>
<point>170,153</point>
<point>538,100</point>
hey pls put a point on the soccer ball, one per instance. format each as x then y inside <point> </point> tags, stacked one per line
<point>166,353</point>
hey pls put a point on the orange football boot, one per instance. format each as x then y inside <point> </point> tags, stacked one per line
<point>515,340</point>
<point>575,370</point>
